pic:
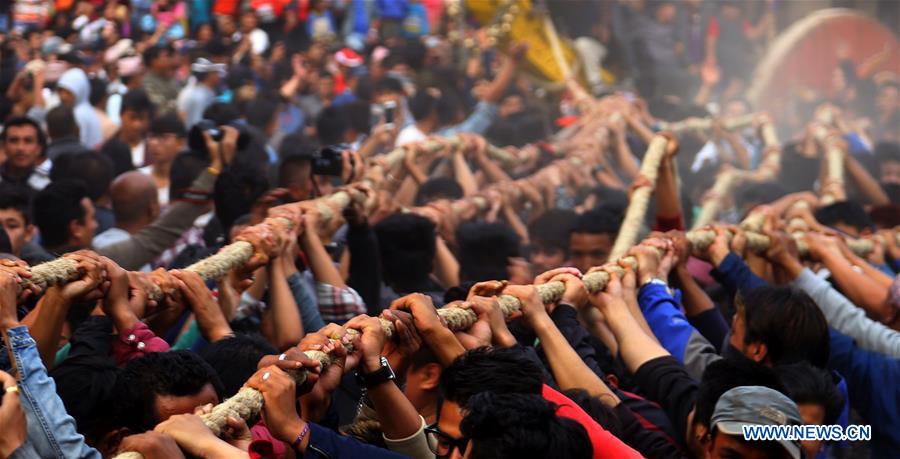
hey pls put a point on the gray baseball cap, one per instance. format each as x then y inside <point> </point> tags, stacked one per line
<point>756,405</point>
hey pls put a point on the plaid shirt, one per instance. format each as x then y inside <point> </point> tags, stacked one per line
<point>338,305</point>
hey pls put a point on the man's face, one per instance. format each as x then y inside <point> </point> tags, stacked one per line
<point>450,418</point>
<point>587,250</point>
<point>812,414</point>
<point>297,178</point>
<point>163,62</point>
<point>162,148</point>
<point>134,124</point>
<point>889,173</point>
<point>326,87</point>
<point>170,405</point>
<point>19,233</point>
<point>545,258</point>
<point>733,447</point>
<point>754,351</point>
<point>511,105</point>
<point>83,232</point>
<point>21,146</point>
<point>888,99</point>
<point>66,98</point>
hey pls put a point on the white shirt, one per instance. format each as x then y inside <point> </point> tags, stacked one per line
<point>161,193</point>
<point>137,154</point>
<point>410,134</point>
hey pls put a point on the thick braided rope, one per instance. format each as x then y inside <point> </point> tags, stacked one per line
<point>833,188</point>
<point>640,198</point>
<point>728,180</point>
<point>703,124</point>
<point>63,269</point>
<point>248,402</point>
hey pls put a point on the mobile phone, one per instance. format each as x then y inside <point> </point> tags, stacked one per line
<point>328,162</point>
<point>389,107</point>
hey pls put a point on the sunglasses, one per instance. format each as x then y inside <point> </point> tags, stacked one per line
<point>442,445</point>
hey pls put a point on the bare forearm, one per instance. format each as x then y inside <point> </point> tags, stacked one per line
<point>47,325</point>
<point>568,368</point>
<point>446,268</point>
<point>501,82</point>
<point>694,298</point>
<point>493,172</point>
<point>668,204</point>
<point>627,162</point>
<point>319,261</point>
<point>860,289</point>
<point>397,415</point>
<point>867,184</point>
<point>635,347</point>
<point>464,176</point>
<point>287,323</point>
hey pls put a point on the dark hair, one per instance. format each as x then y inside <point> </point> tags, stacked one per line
<point>168,123</point>
<point>388,85</point>
<point>806,384</point>
<point>788,322</point>
<point>15,200</point>
<point>438,188</point>
<point>797,171</point>
<point>235,359</point>
<point>94,170</point>
<point>759,193</point>
<point>422,357</point>
<point>25,121</point>
<point>490,369</point>
<point>98,90</point>
<point>186,167</point>
<point>847,212</point>
<point>55,207</point>
<point>221,113</point>
<point>611,199</point>
<point>886,151</point>
<point>151,53</point>
<point>485,249</point>
<point>406,245</point>
<point>261,111</point>
<point>5,243</point>
<point>597,410</point>
<point>331,125</point>
<point>422,104</point>
<point>521,426</point>
<point>136,101</point>
<point>551,230</point>
<point>61,123</point>
<point>235,192</point>
<point>597,221</point>
<point>359,115</point>
<point>177,373</point>
<point>726,374</point>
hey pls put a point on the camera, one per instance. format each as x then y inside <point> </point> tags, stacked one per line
<point>197,143</point>
<point>385,111</point>
<point>389,108</point>
<point>327,161</point>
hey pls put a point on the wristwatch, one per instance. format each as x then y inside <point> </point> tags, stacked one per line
<point>656,281</point>
<point>380,376</point>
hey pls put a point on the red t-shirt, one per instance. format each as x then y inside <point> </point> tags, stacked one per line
<point>606,445</point>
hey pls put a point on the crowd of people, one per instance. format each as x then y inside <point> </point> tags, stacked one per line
<point>389,161</point>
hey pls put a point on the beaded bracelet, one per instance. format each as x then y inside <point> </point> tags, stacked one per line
<point>296,443</point>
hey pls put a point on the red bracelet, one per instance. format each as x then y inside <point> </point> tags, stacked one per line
<point>296,443</point>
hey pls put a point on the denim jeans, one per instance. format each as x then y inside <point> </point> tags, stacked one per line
<point>51,431</point>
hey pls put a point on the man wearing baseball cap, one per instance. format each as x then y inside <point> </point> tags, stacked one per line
<point>752,406</point>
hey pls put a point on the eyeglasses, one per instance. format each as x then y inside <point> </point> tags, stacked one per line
<point>442,445</point>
